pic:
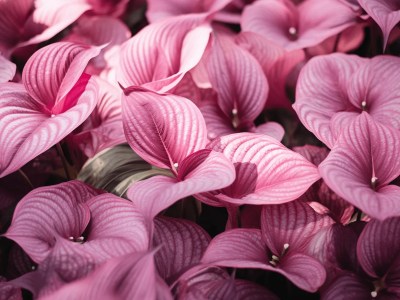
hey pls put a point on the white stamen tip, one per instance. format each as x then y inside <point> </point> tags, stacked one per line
<point>81,238</point>
<point>286,246</point>
<point>175,165</point>
<point>33,268</point>
<point>52,115</point>
<point>272,263</point>
<point>292,31</point>
<point>374,180</point>
<point>274,257</point>
<point>234,111</point>
<point>363,104</point>
<point>71,238</point>
<point>374,294</point>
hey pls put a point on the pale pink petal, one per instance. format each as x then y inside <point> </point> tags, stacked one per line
<point>322,91</point>
<point>159,56</point>
<point>51,72</point>
<point>182,244</point>
<point>7,69</point>
<point>48,212</point>
<point>200,172</point>
<point>51,17</point>
<point>266,171</point>
<point>26,132</point>
<point>238,80</point>
<point>162,129</point>
<point>386,13</point>
<point>362,164</point>
<point>159,10</point>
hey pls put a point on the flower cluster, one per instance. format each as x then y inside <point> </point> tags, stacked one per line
<point>219,149</point>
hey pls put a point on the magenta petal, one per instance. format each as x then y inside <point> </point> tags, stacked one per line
<point>290,225</point>
<point>27,132</point>
<point>49,212</point>
<point>378,246</point>
<point>182,244</point>
<point>200,172</point>
<point>347,286</point>
<point>160,55</point>
<point>266,171</point>
<point>322,91</point>
<point>162,129</point>
<point>362,164</point>
<point>238,79</point>
<point>114,217</point>
<point>386,13</point>
<point>7,69</point>
<point>51,72</point>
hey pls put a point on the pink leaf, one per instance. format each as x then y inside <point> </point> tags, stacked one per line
<point>159,56</point>
<point>182,244</point>
<point>116,218</point>
<point>296,27</point>
<point>51,17</point>
<point>238,80</point>
<point>386,13</point>
<point>361,166</point>
<point>200,172</point>
<point>160,10</point>
<point>51,72</point>
<point>27,132</point>
<point>49,212</point>
<point>7,69</point>
<point>378,246</point>
<point>266,171</point>
<point>162,129</point>
<point>322,91</point>
<point>289,227</point>
<point>347,286</point>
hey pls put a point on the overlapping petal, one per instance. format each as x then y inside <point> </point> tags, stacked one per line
<point>7,69</point>
<point>362,164</point>
<point>49,212</point>
<point>266,171</point>
<point>159,56</point>
<point>162,129</point>
<point>386,13</point>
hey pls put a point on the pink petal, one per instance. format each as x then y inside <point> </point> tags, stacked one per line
<point>128,277</point>
<point>266,171</point>
<point>374,88</point>
<point>48,212</point>
<point>238,80</point>
<point>200,172</point>
<point>160,10</point>
<point>162,129</point>
<point>271,129</point>
<point>322,91</point>
<point>7,69</point>
<point>103,128</point>
<point>378,246</point>
<point>386,13</point>
<point>51,17</point>
<point>347,286</point>
<point>180,42</point>
<point>27,132</point>
<point>362,164</point>
<point>299,27</point>
<point>182,244</point>
<point>291,226</point>
<point>114,217</point>
<point>51,72</point>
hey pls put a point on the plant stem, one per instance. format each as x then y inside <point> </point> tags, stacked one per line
<point>26,178</point>
<point>64,161</point>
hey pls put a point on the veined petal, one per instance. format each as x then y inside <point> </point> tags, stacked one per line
<point>162,129</point>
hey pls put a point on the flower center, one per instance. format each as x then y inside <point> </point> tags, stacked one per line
<point>293,33</point>
<point>79,240</point>
<point>275,259</point>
